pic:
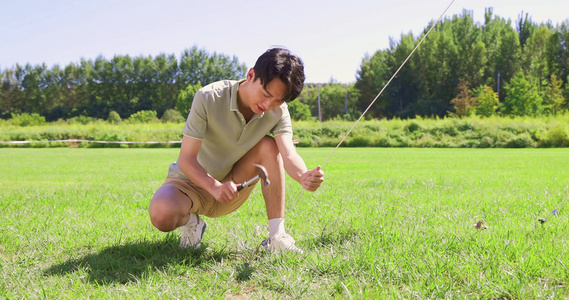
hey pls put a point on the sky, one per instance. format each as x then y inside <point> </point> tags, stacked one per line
<point>332,37</point>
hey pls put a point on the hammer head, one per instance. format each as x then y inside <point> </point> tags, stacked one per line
<point>263,174</point>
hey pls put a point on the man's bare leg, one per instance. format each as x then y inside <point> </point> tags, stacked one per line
<point>169,208</point>
<point>266,154</point>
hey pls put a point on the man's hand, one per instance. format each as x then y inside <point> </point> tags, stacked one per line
<point>312,179</point>
<point>225,192</point>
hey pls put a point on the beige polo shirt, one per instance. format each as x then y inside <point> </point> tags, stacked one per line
<point>215,119</point>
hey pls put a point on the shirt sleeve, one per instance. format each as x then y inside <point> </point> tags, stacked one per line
<point>284,125</point>
<point>196,123</point>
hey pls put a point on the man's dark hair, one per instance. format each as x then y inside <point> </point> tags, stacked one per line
<point>281,63</point>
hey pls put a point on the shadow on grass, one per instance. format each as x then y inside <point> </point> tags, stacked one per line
<point>133,261</point>
<point>244,272</point>
<point>335,236</point>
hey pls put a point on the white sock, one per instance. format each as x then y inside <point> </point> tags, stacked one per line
<point>276,227</point>
<point>193,219</point>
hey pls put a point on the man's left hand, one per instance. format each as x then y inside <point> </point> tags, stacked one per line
<point>312,179</point>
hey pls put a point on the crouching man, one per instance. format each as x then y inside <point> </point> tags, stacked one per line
<point>225,135</point>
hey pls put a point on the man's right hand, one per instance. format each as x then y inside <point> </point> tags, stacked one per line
<point>189,165</point>
<point>225,192</point>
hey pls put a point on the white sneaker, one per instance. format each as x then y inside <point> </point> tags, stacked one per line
<point>281,243</point>
<point>192,232</point>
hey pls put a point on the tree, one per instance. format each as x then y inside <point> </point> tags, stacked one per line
<point>525,28</point>
<point>558,51</point>
<point>508,57</point>
<point>553,98</point>
<point>333,99</point>
<point>534,58</point>
<point>196,65</point>
<point>456,48</point>
<point>522,99</point>
<point>309,96</point>
<point>438,63</point>
<point>463,103</point>
<point>299,111</point>
<point>12,95</point>
<point>567,92</point>
<point>503,48</point>
<point>370,79</point>
<point>33,85</point>
<point>123,84</point>
<point>185,98</point>
<point>404,89</point>
<point>487,101</point>
<point>471,50</point>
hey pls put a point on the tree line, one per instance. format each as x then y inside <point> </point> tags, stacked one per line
<point>462,68</point>
<point>122,84</point>
<point>465,67</point>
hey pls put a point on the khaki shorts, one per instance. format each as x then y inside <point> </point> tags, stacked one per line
<point>203,202</point>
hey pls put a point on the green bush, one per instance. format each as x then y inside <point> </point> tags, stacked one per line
<point>556,136</point>
<point>413,126</point>
<point>358,141</point>
<point>449,129</point>
<point>384,141</point>
<point>464,126</point>
<point>472,132</point>
<point>520,141</point>
<point>114,117</point>
<point>426,141</point>
<point>26,119</point>
<point>143,116</point>
<point>172,116</point>
<point>84,120</point>
<point>486,142</point>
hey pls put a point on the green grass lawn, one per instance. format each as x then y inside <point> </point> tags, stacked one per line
<point>387,223</point>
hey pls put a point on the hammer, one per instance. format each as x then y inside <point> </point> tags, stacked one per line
<point>262,174</point>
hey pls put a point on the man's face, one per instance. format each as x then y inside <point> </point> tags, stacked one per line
<point>264,99</point>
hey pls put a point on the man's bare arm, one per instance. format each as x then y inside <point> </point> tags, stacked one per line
<point>296,167</point>
<point>189,165</point>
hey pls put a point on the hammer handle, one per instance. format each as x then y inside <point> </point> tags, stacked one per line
<point>247,183</point>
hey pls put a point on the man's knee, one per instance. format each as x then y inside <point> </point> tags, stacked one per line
<point>163,214</point>
<point>268,145</point>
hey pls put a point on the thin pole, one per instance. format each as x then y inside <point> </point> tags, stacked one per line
<point>498,86</point>
<point>346,106</point>
<point>319,108</point>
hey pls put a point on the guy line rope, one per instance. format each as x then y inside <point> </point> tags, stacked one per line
<point>367,109</point>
